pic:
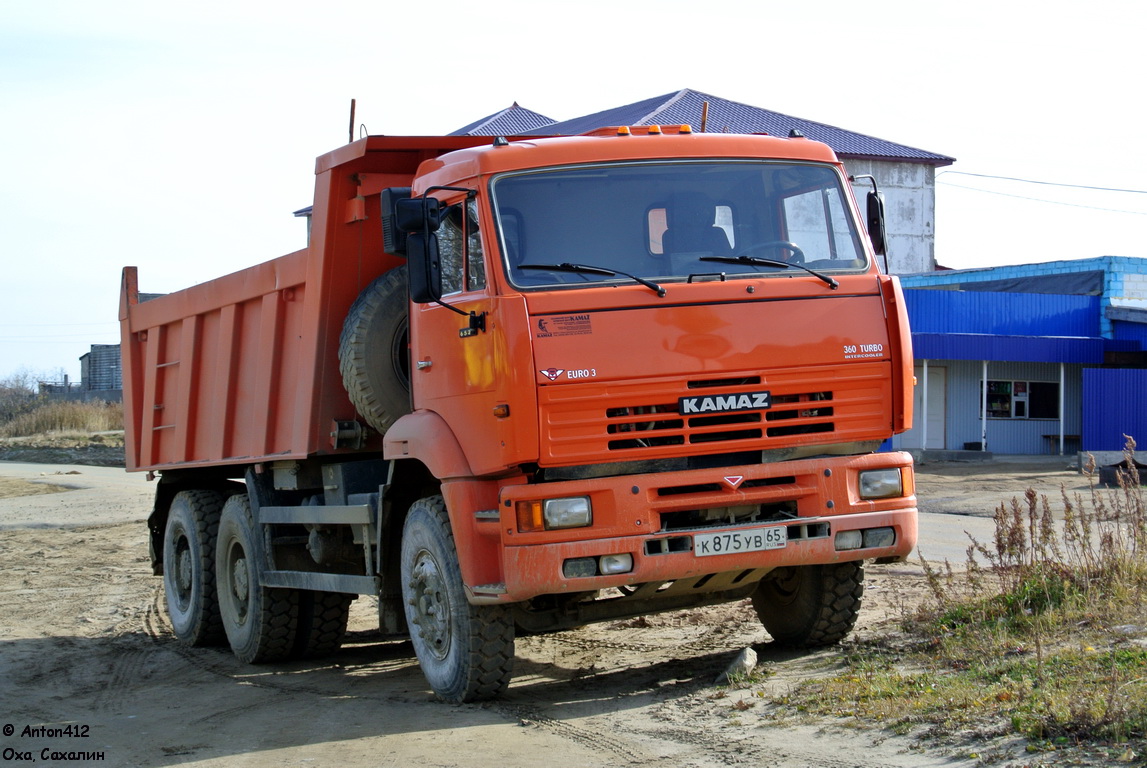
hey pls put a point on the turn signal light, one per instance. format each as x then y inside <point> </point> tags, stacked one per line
<point>551,514</point>
<point>530,516</point>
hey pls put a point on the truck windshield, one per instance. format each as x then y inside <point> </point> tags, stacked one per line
<point>664,221</point>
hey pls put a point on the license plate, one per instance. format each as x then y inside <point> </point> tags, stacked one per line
<point>734,542</point>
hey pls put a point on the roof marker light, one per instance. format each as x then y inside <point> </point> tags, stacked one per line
<point>623,130</point>
<point>685,128</point>
<point>654,129</point>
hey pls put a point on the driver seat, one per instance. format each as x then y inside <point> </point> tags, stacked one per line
<point>690,218</point>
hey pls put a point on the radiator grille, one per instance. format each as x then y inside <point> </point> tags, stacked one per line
<point>651,426</point>
<point>613,421</point>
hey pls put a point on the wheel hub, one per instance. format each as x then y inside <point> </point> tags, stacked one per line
<point>786,584</point>
<point>240,585</point>
<point>430,603</point>
<point>183,571</point>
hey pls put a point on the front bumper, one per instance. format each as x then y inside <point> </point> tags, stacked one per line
<point>632,514</point>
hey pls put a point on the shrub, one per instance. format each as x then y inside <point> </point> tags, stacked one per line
<point>17,395</point>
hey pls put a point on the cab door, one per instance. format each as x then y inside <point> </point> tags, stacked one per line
<point>460,367</point>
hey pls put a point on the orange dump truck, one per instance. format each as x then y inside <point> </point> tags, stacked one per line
<point>528,384</point>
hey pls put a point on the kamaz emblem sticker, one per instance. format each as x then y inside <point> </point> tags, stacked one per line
<point>734,481</point>
<point>744,401</point>
<point>552,373</point>
<point>563,325</point>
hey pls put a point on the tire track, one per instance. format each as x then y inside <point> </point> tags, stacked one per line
<point>596,740</point>
<point>153,619</point>
<point>134,637</point>
<point>124,674</point>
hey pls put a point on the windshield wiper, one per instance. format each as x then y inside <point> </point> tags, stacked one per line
<point>565,266</point>
<point>757,262</point>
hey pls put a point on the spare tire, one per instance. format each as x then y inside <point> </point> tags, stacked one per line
<point>374,351</point>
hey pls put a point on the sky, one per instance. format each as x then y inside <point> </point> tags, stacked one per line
<point>180,137</point>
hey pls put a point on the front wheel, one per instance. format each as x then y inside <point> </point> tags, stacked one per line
<point>811,605</point>
<point>466,651</point>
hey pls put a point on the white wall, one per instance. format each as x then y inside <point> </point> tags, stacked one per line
<point>909,209</point>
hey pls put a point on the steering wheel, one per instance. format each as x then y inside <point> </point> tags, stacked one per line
<point>797,257</point>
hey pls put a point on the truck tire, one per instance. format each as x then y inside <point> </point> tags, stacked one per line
<point>811,605</point>
<point>260,622</point>
<point>189,567</point>
<point>374,351</point>
<point>322,623</point>
<point>466,651</point>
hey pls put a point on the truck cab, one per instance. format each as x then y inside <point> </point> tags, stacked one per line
<point>576,379</point>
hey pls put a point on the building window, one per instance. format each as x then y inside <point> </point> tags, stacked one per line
<point>1023,399</point>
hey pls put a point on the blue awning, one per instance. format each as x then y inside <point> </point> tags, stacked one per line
<point>1024,349</point>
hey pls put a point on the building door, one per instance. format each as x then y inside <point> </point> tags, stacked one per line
<point>936,409</point>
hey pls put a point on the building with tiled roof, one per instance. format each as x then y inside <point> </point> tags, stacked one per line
<point>906,175</point>
<point>713,114</point>
<point>512,121</point>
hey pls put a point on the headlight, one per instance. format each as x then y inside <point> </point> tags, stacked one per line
<point>550,514</point>
<point>881,484</point>
<point>879,537</point>
<point>606,565</point>
<point>868,538</point>
<point>849,540</point>
<point>611,564</point>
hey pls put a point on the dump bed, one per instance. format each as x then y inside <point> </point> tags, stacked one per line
<point>244,368</point>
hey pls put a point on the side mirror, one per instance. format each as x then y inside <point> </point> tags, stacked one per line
<point>424,267</point>
<point>393,237</point>
<point>419,218</point>
<point>876,230</point>
<point>418,214</point>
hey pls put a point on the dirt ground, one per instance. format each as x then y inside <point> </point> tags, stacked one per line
<point>84,642</point>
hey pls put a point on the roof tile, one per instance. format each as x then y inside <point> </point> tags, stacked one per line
<point>512,121</point>
<point>725,116</point>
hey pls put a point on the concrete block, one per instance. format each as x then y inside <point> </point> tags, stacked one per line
<point>932,455</point>
<point>1102,458</point>
<point>742,666</point>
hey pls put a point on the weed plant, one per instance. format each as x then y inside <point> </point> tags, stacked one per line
<point>1043,634</point>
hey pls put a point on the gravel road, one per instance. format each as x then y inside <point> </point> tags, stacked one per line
<point>85,642</point>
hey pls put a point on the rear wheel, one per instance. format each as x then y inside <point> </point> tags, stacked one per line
<point>260,622</point>
<point>322,623</point>
<point>189,567</point>
<point>466,651</point>
<point>811,605</point>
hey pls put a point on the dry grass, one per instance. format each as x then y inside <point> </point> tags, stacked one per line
<point>65,416</point>
<point>1043,634</point>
